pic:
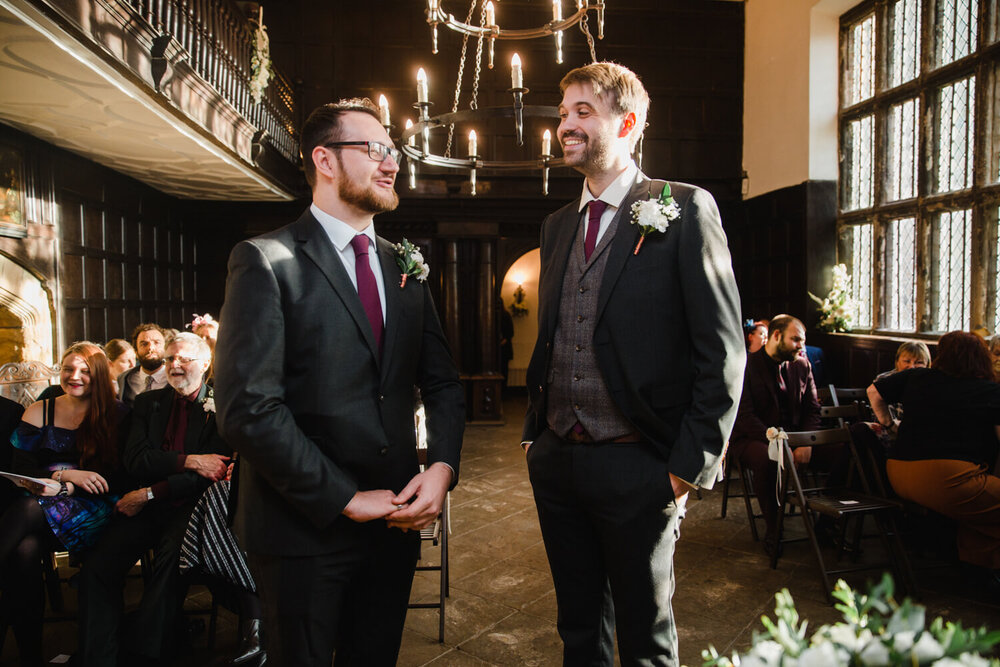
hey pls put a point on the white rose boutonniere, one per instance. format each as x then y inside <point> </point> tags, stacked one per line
<point>411,262</point>
<point>208,405</point>
<point>654,215</point>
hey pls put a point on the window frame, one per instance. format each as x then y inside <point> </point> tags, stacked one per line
<point>983,197</point>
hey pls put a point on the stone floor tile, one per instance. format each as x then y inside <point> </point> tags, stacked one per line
<point>520,639</point>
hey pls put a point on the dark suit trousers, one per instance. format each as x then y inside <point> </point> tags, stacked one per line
<point>102,577</point>
<point>352,601</point>
<point>609,522</point>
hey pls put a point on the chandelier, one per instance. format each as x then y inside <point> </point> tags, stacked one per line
<point>486,33</point>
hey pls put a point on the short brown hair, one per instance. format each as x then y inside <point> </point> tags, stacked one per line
<point>963,355</point>
<point>781,322</point>
<point>323,127</point>
<point>116,347</point>
<point>624,90</point>
<point>147,326</point>
<point>915,349</point>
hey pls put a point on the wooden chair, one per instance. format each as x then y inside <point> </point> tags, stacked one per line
<point>437,534</point>
<point>841,504</point>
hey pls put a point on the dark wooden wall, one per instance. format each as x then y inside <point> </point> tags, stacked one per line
<point>120,251</point>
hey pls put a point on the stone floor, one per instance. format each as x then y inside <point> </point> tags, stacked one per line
<point>502,607</point>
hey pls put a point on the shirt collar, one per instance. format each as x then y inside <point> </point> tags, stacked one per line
<point>160,374</point>
<point>615,193</point>
<point>340,232</point>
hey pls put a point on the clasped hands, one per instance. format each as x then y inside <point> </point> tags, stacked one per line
<point>413,508</point>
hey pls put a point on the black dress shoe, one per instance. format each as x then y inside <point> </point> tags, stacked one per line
<point>251,651</point>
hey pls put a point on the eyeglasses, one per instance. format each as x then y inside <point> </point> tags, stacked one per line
<point>183,361</point>
<point>376,151</point>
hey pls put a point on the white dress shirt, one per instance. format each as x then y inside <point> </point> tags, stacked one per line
<point>137,380</point>
<point>340,234</point>
<point>613,196</point>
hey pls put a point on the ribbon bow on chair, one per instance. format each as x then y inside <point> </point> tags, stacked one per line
<point>776,437</point>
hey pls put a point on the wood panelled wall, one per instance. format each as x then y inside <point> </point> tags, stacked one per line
<point>121,252</point>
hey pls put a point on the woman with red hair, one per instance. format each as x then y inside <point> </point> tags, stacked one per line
<point>947,442</point>
<point>72,442</point>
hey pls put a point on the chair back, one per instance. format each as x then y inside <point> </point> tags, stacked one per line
<point>23,381</point>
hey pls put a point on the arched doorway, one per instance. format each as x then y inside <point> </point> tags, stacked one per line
<point>26,332</point>
<point>523,274</point>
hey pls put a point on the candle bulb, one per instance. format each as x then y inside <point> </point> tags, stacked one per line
<point>383,110</point>
<point>516,81</point>
<point>546,143</point>
<point>421,86</point>
<point>412,141</point>
<point>472,143</point>
<point>557,10</point>
<point>490,14</point>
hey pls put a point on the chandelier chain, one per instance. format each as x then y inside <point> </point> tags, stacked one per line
<point>474,103</point>
<point>585,29</point>
<point>458,82</point>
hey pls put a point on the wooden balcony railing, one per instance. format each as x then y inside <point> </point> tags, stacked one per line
<point>219,41</point>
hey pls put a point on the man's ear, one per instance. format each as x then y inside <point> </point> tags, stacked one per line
<point>628,124</point>
<point>323,162</point>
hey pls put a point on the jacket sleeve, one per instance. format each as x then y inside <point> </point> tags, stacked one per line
<point>534,417</point>
<point>712,306</point>
<point>250,393</point>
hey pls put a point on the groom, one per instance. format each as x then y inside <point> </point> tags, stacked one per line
<point>316,363</point>
<point>634,381</point>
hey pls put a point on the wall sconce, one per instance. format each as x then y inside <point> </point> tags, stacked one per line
<point>517,306</point>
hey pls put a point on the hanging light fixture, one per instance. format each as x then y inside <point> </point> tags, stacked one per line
<point>487,32</point>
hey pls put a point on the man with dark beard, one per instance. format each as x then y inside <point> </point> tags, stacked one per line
<point>315,368</point>
<point>149,372</point>
<point>779,391</point>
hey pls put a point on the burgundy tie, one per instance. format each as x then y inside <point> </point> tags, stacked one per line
<point>596,209</point>
<point>367,287</point>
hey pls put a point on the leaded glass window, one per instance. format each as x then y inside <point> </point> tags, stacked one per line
<point>903,157</point>
<point>904,52</point>
<point>955,129</point>
<point>951,274</point>
<point>900,275</point>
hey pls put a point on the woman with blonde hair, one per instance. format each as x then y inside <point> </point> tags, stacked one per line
<point>71,442</point>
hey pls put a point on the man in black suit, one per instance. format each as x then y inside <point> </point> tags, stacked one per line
<point>315,370</point>
<point>174,450</point>
<point>634,379</point>
<point>779,391</point>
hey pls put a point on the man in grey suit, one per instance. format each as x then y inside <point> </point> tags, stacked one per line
<point>315,371</point>
<point>634,380</point>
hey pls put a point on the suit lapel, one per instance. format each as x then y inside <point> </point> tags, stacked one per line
<point>626,236</point>
<point>391,279</point>
<point>562,239</point>
<point>195,425</point>
<point>317,247</point>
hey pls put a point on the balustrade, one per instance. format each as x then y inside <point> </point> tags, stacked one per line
<point>219,41</point>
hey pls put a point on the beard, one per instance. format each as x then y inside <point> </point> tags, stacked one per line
<point>150,364</point>
<point>787,353</point>
<point>365,198</point>
<point>182,384</point>
<point>595,156</point>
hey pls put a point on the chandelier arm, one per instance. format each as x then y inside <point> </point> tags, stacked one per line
<point>463,163</point>
<point>497,32</point>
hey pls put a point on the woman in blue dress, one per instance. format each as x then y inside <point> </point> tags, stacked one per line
<point>72,442</point>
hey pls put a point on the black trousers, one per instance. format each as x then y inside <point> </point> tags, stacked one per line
<point>102,578</point>
<point>351,602</point>
<point>610,523</point>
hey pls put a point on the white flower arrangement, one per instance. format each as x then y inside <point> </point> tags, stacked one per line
<point>261,70</point>
<point>654,215</point>
<point>876,631</point>
<point>411,262</point>
<point>838,308</point>
<point>208,405</point>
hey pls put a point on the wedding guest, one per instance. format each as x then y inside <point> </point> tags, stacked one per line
<point>947,441</point>
<point>995,354</point>
<point>756,336</point>
<point>206,327</point>
<point>148,339</point>
<point>174,450</point>
<point>778,390</point>
<point>121,356</point>
<point>73,441</point>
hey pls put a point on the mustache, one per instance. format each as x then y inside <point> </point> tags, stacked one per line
<point>572,135</point>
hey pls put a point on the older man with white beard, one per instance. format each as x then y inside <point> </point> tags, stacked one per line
<point>174,450</point>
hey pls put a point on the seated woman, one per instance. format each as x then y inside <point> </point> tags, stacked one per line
<point>756,335</point>
<point>121,356</point>
<point>73,440</point>
<point>947,441</point>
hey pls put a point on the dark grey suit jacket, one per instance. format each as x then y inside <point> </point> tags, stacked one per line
<point>668,339</point>
<point>304,398</point>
